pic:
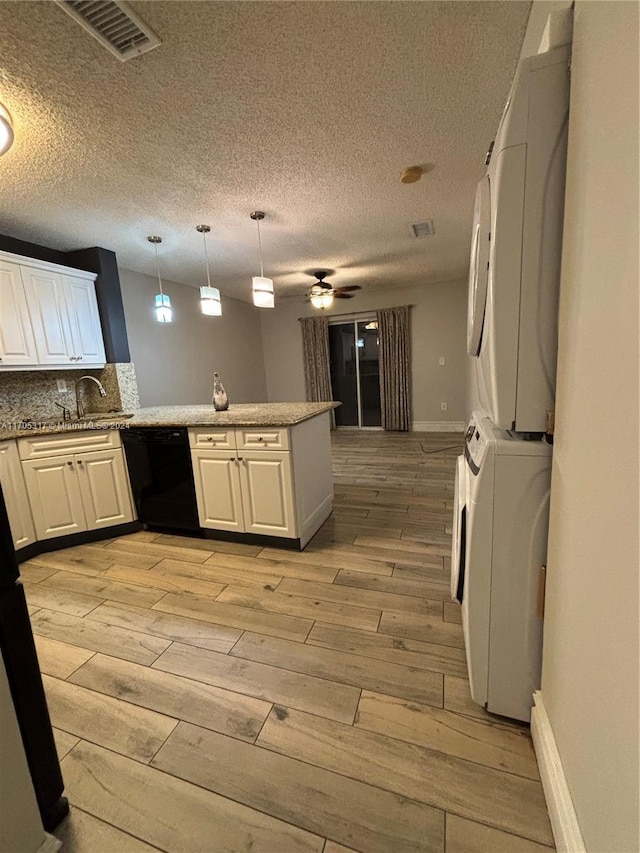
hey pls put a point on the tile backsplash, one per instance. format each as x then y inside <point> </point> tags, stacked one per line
<point>33,394</point>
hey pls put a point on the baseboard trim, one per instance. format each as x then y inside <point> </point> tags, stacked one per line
<point>438,426</point>
<point>50,844</point>
<point>564,821</point>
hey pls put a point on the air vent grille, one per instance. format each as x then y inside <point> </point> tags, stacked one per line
<point>114,25</point>
<point>422,229</point>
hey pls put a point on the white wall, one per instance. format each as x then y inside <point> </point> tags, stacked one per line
<point>590,658</point>
<point>438,328</point>
<point>175,362</point>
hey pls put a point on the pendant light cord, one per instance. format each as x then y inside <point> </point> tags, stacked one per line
<point>206,257</point>
<point>155,245</point>
<point>260,249</point>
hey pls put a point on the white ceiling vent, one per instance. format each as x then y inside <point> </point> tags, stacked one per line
<point>114,25</point>
<point>422,229</point>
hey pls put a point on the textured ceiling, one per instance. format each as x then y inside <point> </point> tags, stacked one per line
<point>306,110</point>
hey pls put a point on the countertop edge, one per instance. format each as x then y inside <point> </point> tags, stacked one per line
<point>221,419</point>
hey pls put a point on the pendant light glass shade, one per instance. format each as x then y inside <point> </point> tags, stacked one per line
<point>210,303</point>
<point>262,287</point>
<point>262,292</point>
<point>322,298</point>
<point>164,313</point>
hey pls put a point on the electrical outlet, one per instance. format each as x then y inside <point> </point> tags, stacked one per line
<point>443,406</point>
<point>442,361</point>
<point>61,385</point>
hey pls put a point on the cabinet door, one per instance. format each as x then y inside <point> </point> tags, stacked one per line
<point>267,492</point>
<point>104,488</point>
<point>17,344</point>
<point>86,331</point>
<point>15,495</point>
<point>217,478</point>
<point>54,495</point>
<point>49,316</point>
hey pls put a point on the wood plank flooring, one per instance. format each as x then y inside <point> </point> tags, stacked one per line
<point>214,697</point>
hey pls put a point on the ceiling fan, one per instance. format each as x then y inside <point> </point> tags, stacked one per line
<point>322,294</point>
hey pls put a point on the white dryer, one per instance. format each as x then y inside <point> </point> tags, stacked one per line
<point>500,527</point>
<point>514,271</point>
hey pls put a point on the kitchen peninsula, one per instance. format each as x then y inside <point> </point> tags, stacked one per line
<point>251,472</point>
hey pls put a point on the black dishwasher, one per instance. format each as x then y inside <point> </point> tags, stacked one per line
<point>159,463</point>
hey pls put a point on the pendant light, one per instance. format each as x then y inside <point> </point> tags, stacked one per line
<point>209,296</point>
<point>164,314</point>
<point>262,287</point>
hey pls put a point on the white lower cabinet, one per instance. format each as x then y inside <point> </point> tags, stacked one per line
<point>15,495</point>
<point>245,491</point>
<point>267,492</point>
<point>217,481</point>
<point>76,492</point>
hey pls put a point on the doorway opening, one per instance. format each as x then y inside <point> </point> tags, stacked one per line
<point>354,358</point>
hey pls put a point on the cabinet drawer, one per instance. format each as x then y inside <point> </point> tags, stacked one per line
<point>58,444</point>
<point>270,439</point>
<point>210,437</point>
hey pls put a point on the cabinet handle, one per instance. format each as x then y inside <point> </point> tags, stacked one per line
<point>260,438</point>
<point>239,459</point>
<point>79,358</point>
<point>79,461</point>
<point>69,463</point>
<point>209,438</point>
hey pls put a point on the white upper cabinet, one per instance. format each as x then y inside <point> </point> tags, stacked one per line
<point>86,332</point>
<point>17,344</point>
<point>48,316</point>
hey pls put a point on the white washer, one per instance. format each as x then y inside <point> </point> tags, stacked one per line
<point>516,247</point>
<point>500,527</point>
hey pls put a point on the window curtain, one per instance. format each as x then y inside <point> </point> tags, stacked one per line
<point>395,386</point>
<point>315,353</point>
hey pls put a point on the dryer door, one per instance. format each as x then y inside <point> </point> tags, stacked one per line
<point>479,266</point>
<point>459,533</point>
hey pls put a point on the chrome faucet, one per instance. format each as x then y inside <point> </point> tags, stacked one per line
<point>79,406</point>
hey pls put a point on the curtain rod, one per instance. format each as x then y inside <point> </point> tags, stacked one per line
<point>357,313</point>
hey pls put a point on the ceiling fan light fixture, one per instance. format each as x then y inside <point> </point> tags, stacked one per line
<point>322,298</point>
<point>6,130</point>
<point>210,303</point>
<point>262,287</point>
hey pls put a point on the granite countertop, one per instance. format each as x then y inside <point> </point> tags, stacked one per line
<point>237,415</point>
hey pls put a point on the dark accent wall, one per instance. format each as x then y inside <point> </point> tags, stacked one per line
<point>97,260</point>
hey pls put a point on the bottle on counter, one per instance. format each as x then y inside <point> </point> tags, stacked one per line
<point>220,399</point>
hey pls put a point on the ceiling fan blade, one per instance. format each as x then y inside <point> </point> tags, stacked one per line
<point>338,295</point>
<point>347,288</point>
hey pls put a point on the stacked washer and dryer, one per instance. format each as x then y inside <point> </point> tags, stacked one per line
<point>501,505</point>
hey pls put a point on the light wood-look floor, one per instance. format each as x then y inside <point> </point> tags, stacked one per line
<point>211,697</point>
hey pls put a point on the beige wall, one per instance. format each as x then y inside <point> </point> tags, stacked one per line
<point>590,659</point>
<point>20,825</point>
<point>438,328</point>
<point>175,362</point>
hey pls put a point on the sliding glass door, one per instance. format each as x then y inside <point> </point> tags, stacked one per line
<point>355,378</point>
